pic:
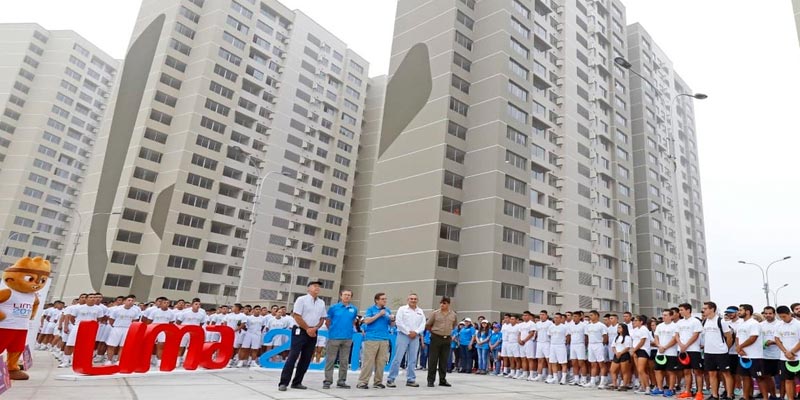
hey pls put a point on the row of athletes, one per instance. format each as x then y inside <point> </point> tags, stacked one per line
<point>59,324</point>
<point>730,351</point>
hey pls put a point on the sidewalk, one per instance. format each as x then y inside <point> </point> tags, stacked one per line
<point>241,384</point>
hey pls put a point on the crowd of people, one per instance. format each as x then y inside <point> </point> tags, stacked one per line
<point>685,353</point>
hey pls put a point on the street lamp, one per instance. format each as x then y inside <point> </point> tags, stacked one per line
<point>295,261</point>
<point>75,247</point>
<point>627,65</point>
<point>778,291</point>
<point>14,235</point>
<point>765,273</point>
<point>253,215</point>
<point>625,229</point>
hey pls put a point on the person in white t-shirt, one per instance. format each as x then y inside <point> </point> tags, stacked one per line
<point>772,354</point>
<point>120,319</point>
<point>160,315</point>
<point>621,362</point>
<point>511,340</point>
<point>750,348</point>
<point>558,350</point>
<point>503,350</point>
<point>787,338</point>
<point>526,329</point>
<point>641,339</point>
<point>667,354</point>
<point>193,315</point>
<point>253,337</point>
<point>717,338</point>
<point>596,336</point>
<point>577,348</point>
<point>611,330</point>
<point>528,345</point>
<point>85,312</point>
<point>543,346</point>
<point>688,340</point>
<point>236,320</point>
<point>281,321</point>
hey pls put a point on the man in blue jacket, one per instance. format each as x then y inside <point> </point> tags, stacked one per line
<point>341,319</point>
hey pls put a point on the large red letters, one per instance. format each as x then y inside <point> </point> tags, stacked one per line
<point>139,344</point>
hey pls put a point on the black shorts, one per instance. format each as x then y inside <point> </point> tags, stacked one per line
<point>771,367</point>
<point>641,353</point>
<point>623,358</point>
<point>733,361</point>
<point>755,371</point>
<point>653,353</point>
<point>695,361</point>
<point>785,374</point>
<point>671,364</point>
<point>717,362</point>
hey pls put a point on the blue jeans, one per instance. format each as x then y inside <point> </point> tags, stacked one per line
<point>483,359</point>
<point>497,362</point>
<point>410,348</point>
<point>466,358</point>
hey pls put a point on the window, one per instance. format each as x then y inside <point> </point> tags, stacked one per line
<point>180,47</point>
<point>228,38</point>
<point>463,40</point>
<point>177,284</point>
<point>454,180</point>
<point>199,181</point>
<point>455,154</point>
<point>129,237</point>
<point>444,288</point>
<point>140,194</point>
<point>450,205</point>
<point>464,20</point>
<point>144,174</point>
<point>174,63</point>
<point>513,264</point>
<point>449,232</point>
<point>509,291</point>
<point>460,84</point>
<point>519,48</point>
<point>118,280</point>
<point>150,155</point>
<point>537,245</point>
<point>447,260</point>
<point>514,210</point>
<point>119,257</point>
<point>233,22</point>
<point>516,136</point>
<point>522,10</point>
<point>462,62</point>
<point>515,185</point>
<point>225,73</point>
<point>456,130</point>
<point>513,236</point>
<point>181,262</point>
<point>516,160</point>
<point>134,215</point>
<point>517,114</point>
<point>185,30</point>
<point>517,91</point>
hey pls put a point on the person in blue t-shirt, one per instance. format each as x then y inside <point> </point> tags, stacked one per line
<point>465,337</point>
<point>495,345</point>
<point>341,323</point>
<point>426,341</point>
<point>376,323</point>
<point>482,344</point>
<point>454,353</point>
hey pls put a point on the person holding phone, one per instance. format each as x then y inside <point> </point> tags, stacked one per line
<point>376,323</point>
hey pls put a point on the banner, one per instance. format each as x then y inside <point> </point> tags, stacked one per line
<point>27,358</point>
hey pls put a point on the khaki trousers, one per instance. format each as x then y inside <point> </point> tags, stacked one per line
<point>374,358</point>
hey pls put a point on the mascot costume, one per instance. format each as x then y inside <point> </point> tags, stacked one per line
<point>18,304</point>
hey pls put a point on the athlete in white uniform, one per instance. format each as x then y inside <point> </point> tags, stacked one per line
<point>527,336</point>
<point>577,348</point>
<point>512,334</point>
<point>504,339</point>
<point>597,335</point>
<point>253,336</point>
<point>542,346</point>
<point>236,320</point>
<point>279,322</point>
<point>664,340</point>
<point>161,315</point>
<point>86,312</point>
<point>523,328</point>
<point>120,319</point>
<point>193,315</point>
<point>50,323</point>
<point>558,350</point>
<point>787,338</point>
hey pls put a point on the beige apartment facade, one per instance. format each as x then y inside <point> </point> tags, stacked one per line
<point>502,155</point>
<point>225,167</point>
<point>54,87</point>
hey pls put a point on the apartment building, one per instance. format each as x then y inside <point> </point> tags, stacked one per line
<point>226,165</point>
<point>672,258</point>
<point>502,176</point>
<point>54,87</point>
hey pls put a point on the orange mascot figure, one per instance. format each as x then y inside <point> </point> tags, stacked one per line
<point>18,304</point>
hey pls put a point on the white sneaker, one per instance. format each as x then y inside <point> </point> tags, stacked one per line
<point>539,378</point>
<point>508,376</point>
<point>601,386</point>
<point>551,380</point>
<point>108,363</point>
<point>240,364</point>
<point>588,385</point>
<point>564,380</point>
<point>65,364</point>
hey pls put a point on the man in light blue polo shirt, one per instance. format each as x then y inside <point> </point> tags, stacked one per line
<point>341,317</point>
<point>376,324</point>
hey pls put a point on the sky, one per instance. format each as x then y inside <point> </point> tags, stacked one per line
<point>745,55</point>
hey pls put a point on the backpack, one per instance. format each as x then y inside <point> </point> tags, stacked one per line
<point>722,334</point>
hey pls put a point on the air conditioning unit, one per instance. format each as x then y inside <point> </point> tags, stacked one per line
<point>301,176</point>
<point>298,192</point>
<point>102,106</point>
<point>595,258</point>
<point>560,101</point>
<point>560,44</point>
<point>283,55</point>
<point>595,280</point>
<point>293,225</point>
<point>303,160</point>
<point>560,81</point>
<point>295,208</point>
<point>593,174</point>
<point>279,296</point>
<point>559,299</point>
<point>286,260</point>
<point>307,145</point>
<point>105,95</point>
<point>560,120</point>
<point>560,162</point>
<point>288,242</point>
<point>559,251</point>
<point>560,183</point>
<point>277,85</point>
<point>595,215</point>
<point>559,228</point>
<point>271,116</point>
<point>559,205</point>
<point>559,63</point>
<point>560,274</point>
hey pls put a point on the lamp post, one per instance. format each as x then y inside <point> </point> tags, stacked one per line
<point>625,229</point>
<point>291,273</point>
<point>253,216</point>
<point>765,273</point>
<point>75,247</point>
<point>14,235</point>
<point>778,290</point>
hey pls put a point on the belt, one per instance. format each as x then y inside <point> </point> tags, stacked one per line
<point>440,336</point>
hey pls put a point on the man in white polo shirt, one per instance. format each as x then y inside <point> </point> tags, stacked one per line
<point>309,314</point>
<point>542,345</point>
<point>597,335</point>
<point>120,321</point>
<point>527,335</point>
<point>717,337</point>
<point>410,322</point>
<point>558,350</point>
<point>513,346</point>
<point>750,348</point>
<point>577,348</point>
<point>687,338</point>
<point>195,316</point>
<point>787,338</point>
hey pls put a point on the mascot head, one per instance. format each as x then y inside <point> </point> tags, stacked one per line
<point>28,275</point>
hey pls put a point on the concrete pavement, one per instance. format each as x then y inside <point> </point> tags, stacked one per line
<point>241,384</point>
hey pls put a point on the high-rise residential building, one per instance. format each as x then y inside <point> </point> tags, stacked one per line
<point>672,259</point>
<point>54,87</point>
<point>503,171</point>
<point>226,112</point>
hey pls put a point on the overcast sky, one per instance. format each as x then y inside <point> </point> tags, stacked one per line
<point>745,55</point>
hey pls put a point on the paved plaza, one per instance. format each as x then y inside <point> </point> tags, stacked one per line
<point>47,383</point>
